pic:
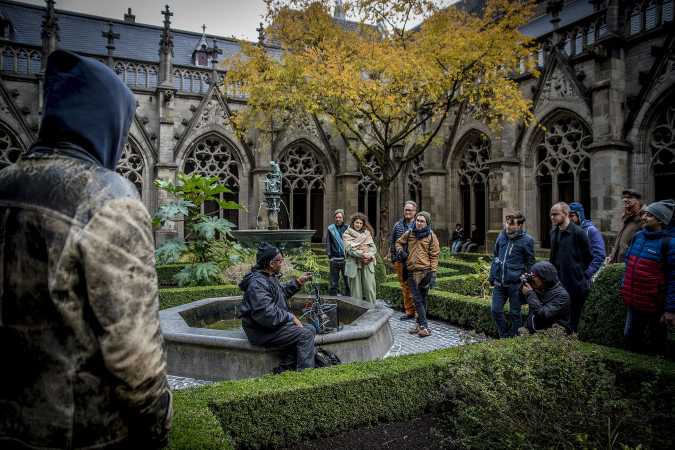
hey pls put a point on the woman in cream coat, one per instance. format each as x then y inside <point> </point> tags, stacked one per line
<point>360,260</point>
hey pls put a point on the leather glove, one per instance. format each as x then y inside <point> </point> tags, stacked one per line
<point>429,281</point>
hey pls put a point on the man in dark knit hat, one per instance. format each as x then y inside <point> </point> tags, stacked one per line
<point>265,315</point>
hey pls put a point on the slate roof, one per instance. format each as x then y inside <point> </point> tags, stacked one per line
<point>571,12</point>
<point>82,33</point>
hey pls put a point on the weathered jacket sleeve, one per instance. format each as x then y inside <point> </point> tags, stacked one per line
<point>434,252</point>
<point>117,250</point>
<point>291,288</point>
<point>597,250</point>
<point>264,309</point>
<point>551,309</point>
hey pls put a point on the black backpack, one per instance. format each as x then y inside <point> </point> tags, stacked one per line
<point>325,358</point>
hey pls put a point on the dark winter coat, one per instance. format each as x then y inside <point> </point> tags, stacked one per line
<point>649,280</point>
<point>400,227</point>
<point>458,235</point>
<point>594,237</point>
<point>332,249</point>
<point>513,256</point>
<point>571,256</point>
<point>631,225</point>
<point>549,307</point>
<point>79,322</point>
<point>264,307</point>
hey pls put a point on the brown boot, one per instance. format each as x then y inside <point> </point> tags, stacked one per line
<point>424,332</point>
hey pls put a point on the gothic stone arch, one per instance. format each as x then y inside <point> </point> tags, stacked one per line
<point>136,165</point>
<point>10,146</point>
<point>654,163</point>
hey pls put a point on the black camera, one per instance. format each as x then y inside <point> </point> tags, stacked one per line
<point>527,278</point>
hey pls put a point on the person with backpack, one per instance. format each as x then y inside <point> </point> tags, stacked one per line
<point>335,250</point>
<point>513,256</point>
<point>423,250</point>
<point>648,286</point>
<point>578,216</point>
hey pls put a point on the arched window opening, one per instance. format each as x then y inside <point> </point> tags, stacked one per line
<point>661,143</point>
<point>132,167</point>
<point>416,166</point>
<point>473,184</point>
<point>562,167</point>
<point>10,149</point>
<point>370,194</point>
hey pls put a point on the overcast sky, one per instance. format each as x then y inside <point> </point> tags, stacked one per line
<point>237,18</point>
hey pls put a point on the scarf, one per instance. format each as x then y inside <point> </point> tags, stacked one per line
<point>421,234</point>
<point>332,229</point>
<point>359,240</point>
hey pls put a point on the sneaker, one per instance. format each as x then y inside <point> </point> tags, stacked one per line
<point>407,317</point>
<point>414,330</point>
<point>424,332</point>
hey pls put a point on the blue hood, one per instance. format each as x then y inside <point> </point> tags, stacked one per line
<point>87,108</point>
<point>578,209</point>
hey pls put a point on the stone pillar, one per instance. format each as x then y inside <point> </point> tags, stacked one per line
<point>503,188</point>
<point>435,201</point>
<point>347,183</point>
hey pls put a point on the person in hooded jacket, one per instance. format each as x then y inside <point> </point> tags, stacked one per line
<point>595,239</point>
<point>513,256</point>
<point>548,301</point>
<point>265,315</point>
<point>648,286</point>
<point>79,321</point>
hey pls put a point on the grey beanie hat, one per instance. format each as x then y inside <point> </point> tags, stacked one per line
<point>663,211</point>
<point>426,215</point>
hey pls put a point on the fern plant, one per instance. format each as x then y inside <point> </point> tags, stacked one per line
<point>202,230</point>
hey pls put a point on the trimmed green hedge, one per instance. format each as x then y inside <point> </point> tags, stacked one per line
<point>166,273</point>
<point>460,267</point>
<point>462,310</point>
<point>604,313</point>
<point>274,411</point>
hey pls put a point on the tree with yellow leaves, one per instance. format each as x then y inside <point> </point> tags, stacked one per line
<point>387,89</point>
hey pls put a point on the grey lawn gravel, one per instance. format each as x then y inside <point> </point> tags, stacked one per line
<point>443,335</point>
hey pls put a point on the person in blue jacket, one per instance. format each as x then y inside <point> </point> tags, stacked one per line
<point>513,256</point>
<point>578,216</point>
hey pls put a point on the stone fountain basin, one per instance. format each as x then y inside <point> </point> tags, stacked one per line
<point>284,239</point>
<point>214,354</point>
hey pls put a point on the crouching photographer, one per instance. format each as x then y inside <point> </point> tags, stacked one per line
<point>548,301</point>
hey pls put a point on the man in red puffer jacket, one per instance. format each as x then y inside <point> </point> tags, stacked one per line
<point>648,288</point>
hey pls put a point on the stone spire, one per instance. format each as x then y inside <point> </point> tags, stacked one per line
<point>129,17</point>
<point>110,36</point>
<point>261,34</point>
<point>166,51</point>
<point>214,51</point>
<point>339,10</point>
<point>50,32</point>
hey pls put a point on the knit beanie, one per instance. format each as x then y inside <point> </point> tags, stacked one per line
<point>426,215</point>
<point>663,211</point>
<point>266,253</point>
<point>546,271</point>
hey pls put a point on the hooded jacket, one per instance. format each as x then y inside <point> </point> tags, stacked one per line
<point>594,237</point>
<point>264,307</point>
<point>513,256</point>
<point>550,306</point>
<point>79,321</point>
<point>649,280</point>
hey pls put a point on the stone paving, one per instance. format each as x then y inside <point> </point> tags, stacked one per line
<point>443,335</point>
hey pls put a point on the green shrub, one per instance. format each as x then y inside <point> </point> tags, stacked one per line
<point>166,273</point>
<point>274,411</point>
<point>546,391</point>
<point>460,284</point>
<point>460,267</point>
<point>171,297</point>
<point>604,313</point>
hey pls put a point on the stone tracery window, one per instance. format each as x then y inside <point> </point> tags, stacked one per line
<point>661,142</point>
<point>212,156</point>
<point>563,166</point>
<point>132,167</point>
<point>473,173</point>
<point>303,188</point>
<point>369,193</point>
<point>10,148</point>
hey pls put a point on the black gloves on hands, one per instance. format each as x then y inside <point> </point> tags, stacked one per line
<point>429,281</point>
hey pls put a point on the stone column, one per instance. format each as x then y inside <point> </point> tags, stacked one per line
<point>503,188</point>
<point>347,183</point>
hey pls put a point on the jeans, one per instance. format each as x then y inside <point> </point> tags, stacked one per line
<point>419,297</point>
<point>500,294</point>
<point>296,343</point>
<point>456,246</point>
<point>576,307</point>
<point>337,268</point>
<point>644,332</point>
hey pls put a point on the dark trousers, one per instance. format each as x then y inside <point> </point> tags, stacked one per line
<point>644,332</point>
<point>296,343</point>
<point>576,307</point>
<point>419,296</point>
<point>500,295</point>
<point>337,269</point>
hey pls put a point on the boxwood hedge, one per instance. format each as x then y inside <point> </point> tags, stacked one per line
<point>274,411</point>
